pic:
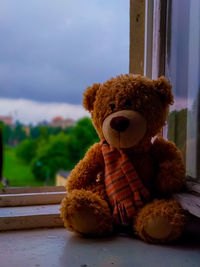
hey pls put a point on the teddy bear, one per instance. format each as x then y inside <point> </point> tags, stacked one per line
<point>127,179</point>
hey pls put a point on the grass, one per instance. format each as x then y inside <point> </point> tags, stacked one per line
<point>17,172</point>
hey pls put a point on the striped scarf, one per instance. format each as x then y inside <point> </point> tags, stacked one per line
<point>124,188</point>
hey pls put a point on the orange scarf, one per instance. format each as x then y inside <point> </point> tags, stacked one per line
<point>124,188</point>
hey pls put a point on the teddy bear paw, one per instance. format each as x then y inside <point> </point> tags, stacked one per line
<point>161,221</point>
<point>87,223</point>
<point>158,228</point>
<point>86,213</point>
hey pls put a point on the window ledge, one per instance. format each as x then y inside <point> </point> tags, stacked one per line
<point>28,208</point>
<point>190,199</point>
<point>29,217</point>
<point>58,247</point>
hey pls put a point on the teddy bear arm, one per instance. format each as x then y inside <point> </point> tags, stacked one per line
<point>171,170</point>
<point>85,172</point>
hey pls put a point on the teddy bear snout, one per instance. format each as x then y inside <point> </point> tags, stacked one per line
<point>119,123</point>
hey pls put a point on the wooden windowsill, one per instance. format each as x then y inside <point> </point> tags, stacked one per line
<point>29,208</point>
<point>190,199</point>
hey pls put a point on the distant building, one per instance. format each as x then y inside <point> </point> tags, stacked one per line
<point>27,130</point>
<point>60,122</point>
<point>8,120</point>
<point>61,178</point>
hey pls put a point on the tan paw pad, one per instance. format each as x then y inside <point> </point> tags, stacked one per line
<point>158,228</point>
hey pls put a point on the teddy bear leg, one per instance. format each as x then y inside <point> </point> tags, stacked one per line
<point>86,213</point>
<point>161,221</point>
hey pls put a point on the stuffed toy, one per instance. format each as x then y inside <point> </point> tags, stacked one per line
<point>126,181</point>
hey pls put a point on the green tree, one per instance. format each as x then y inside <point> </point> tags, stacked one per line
<point>83,135</point>
<point>18,133</point>
<point>34,131</point>
<point>6,132</point>
<point>50,157</point>
<point>177,127</point>
<point>63,151</point>
<point>26,150</point>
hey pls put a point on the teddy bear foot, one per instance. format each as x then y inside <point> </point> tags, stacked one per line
<point>161,221</point>
<point>158,228</point>
<point>86,213</point>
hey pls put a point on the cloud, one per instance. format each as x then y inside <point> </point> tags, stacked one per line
<point>52,50</point>
<point>28,111</point>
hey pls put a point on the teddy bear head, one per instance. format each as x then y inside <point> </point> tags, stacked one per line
<point>129,108</point>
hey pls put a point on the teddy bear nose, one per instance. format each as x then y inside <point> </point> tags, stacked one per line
<point>119,123</point>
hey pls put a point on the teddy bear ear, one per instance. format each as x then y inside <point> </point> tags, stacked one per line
<point>164,90</point>
<point>90,95</point>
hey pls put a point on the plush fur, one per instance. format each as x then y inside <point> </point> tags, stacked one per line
<point>86,209</point>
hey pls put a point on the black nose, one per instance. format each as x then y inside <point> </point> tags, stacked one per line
<point>119,123</point>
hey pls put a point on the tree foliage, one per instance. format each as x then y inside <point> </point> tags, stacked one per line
<point>26,150</point>
<point>12,135</point>
<point>50,157</point>
<point>177,127</point>
<point>64,150</point>
<point>49,149</point>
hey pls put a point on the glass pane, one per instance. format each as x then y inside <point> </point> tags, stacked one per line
<point>183,70</point>
<point>50,51</point>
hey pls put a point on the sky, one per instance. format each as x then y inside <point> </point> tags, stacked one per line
<point>50,51</point>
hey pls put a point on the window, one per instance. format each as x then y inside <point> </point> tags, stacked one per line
<point>183,70</point>
<point>169,37</point>
<point>58,49</point>
<point>153,52</point>
<point>170,43</point>
<point>50,51</point>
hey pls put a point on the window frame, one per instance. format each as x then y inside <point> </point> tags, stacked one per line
<point>151,34</point>
<point>148,27</point>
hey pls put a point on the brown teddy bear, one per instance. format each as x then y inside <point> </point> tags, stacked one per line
<point>127,179</point>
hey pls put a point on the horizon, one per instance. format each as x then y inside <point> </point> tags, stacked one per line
<point>28,111</point>
<point>34,112</point>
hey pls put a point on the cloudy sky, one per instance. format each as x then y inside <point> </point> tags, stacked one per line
<point>50,51</point>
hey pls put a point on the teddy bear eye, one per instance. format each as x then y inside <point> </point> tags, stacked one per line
<point>112,106</point>
<point>128,103</point>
